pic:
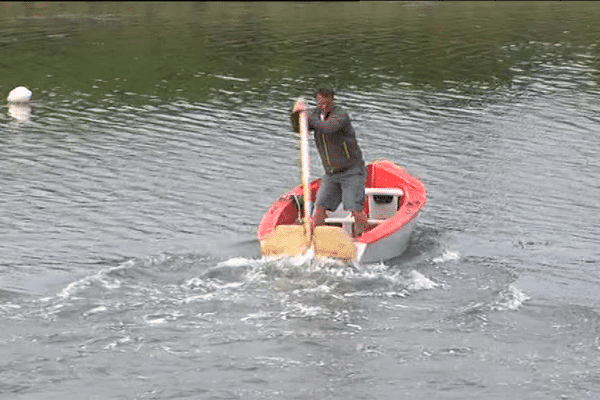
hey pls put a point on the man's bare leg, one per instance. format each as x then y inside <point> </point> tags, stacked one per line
<point>318,216</point>
<point>361,223</point>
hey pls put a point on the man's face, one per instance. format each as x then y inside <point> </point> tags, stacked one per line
<point>324,103</point>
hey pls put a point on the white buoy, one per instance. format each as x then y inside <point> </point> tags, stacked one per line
<point>19,95</point>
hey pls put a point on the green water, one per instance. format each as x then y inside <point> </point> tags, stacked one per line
<point>246,51</point>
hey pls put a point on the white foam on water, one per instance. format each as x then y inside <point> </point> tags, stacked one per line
<point>510,299</point>
<point>155,321</point>
<point>101,276</point>
<point>95,310</point>
<point>447,255</point>
<point>239,262</point>
<point>261,315</point>
<point>299,284</point>
<point>419,281</point>
<point>299,310</point>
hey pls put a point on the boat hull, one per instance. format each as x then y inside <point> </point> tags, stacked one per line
<point>387,248</point>
<point>391,235</point>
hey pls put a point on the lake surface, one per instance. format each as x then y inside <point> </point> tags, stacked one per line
<point>158,135</point>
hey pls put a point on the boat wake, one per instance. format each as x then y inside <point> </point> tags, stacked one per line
<point>312,274</point>
<point>194,290</point>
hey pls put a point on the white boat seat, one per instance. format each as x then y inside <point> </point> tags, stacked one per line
<point>347,222</point>
<point>383,202</point>
<point>350,219</point>
<point>379,211</point>
<point>384,191</point>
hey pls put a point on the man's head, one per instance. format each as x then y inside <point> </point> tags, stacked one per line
<point>325,100</point>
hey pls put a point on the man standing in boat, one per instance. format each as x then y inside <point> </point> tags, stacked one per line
<point>345,170</point>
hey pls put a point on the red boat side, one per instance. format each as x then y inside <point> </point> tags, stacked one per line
<point>385,174</point>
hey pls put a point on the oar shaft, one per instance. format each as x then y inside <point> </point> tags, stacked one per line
<point>305,172</point>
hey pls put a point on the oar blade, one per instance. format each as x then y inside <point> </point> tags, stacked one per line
<point>333,242</point>
<point>286,240</point>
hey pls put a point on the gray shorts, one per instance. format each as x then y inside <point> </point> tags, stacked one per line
<point>347,187</point>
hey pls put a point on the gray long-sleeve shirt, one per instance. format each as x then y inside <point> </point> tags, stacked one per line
<point>335,139</point>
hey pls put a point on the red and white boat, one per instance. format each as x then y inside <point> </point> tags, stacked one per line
<point>394,200</point>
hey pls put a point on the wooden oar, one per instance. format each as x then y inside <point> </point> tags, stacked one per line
<point>294,240</point>
<point>305,172</point>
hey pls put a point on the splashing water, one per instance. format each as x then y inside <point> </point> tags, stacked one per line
<point>447,255</point>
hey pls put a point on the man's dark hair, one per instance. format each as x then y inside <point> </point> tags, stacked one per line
<point>326,92</point>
